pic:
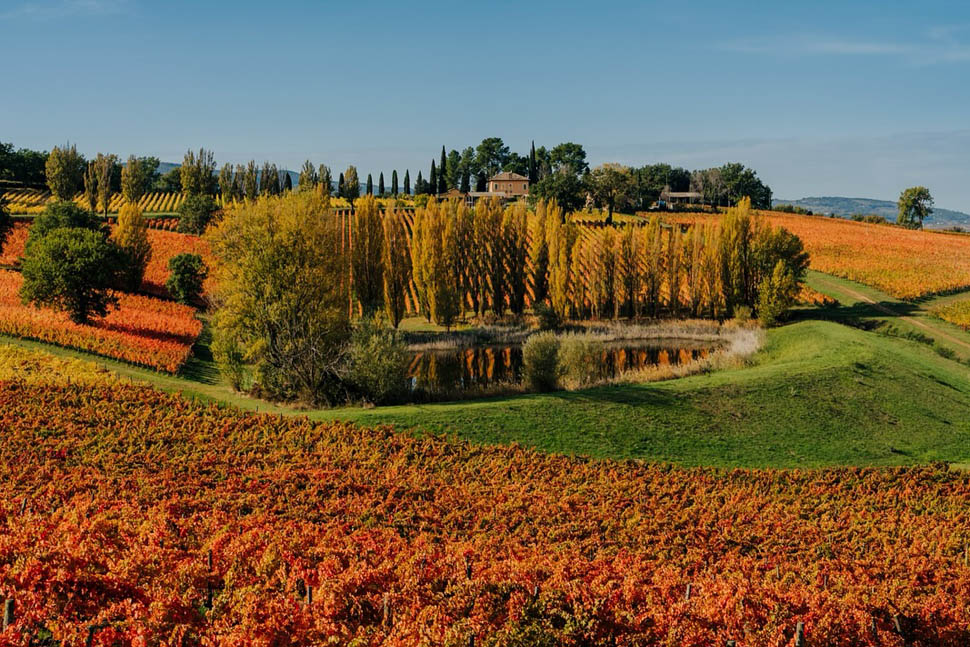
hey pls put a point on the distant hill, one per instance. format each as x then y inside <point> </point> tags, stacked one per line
<point>845,207</point>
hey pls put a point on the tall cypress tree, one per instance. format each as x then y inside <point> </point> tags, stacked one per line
<point>287,181</point>
<point>340,186</point>
<point>394,182</point>
<point>370,185</point>
<point>443,173</point>
<point>433,180</point>
<point>380,185</point>
<point>407,182</point>
<point>466,181</point>
<point>419,184</point>
<point>533,171</point>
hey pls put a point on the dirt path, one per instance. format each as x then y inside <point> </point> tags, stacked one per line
<point>889,311</point>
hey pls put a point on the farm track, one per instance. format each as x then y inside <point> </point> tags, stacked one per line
<point>835,290</point>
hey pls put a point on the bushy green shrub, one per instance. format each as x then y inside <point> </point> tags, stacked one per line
<point>776,294</point>
<point>578,360</point>
<point>377,362</point>
<point>195,214</point>
<point>540,362</point>
<point>63,215</point>
<point>72,270</point>
<point>187,275</point>
<point>546,317</point>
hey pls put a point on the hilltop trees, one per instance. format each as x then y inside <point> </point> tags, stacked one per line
<point>197,172</point>
<point>65,171</point>
<point>351,185</point>
<point>915,205</point>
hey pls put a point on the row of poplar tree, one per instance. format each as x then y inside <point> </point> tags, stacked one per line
<point>493,260</point>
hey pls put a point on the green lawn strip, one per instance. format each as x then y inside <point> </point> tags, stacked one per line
<point>907,316</point>
<point>819,394</point>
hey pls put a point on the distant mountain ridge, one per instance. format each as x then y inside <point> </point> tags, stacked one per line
<point>845,207</point>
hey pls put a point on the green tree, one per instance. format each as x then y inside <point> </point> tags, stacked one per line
<point>309,178</point>
<point>287,181</point>
<point>454,174</point>
<point>419,187</point>
<point>433,181</point>
<point>490,156</point>
<point>442,173</point>
<point>380,185</point>
<point>611,186</point>
<point>103,165</point>
<point>282,288</point>
<point>562,186</point>
<point>63,215</point>
<point>65,172</point>
<point>366,255</point>
<point>186,278</point>
<point>407,182</point>
<point>915,205</point>
<point>91,187</point>
<point>251,183</point>
<point>533,169</point>
<point>370,185</point>
<point>195,213</point>
<point>351,185</point>
<point>137,177</point>
<point>776,294</point>
<point>569,157</point>
<point>341,186</point>
<point>742,182</point>
<point>72,270</point>
<point>171,182</point>
<point>326,179</point>
<point>198,172</point>
<point>226,182</point>
<point>394,185</point>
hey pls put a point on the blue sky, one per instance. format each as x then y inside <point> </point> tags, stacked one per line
<point>822,98</point>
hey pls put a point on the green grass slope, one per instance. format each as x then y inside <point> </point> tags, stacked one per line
<point>819,394</point>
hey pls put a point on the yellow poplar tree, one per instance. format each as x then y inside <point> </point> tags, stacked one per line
<point>397,266</point>
<point>367,266</point>
<point>131,234</point>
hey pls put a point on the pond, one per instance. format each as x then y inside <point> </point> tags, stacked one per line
<point>467,370</point>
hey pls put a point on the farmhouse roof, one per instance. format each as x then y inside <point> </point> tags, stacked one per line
<point>508,175</point>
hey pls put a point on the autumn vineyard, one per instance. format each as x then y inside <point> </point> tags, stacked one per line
<point>137,517</point>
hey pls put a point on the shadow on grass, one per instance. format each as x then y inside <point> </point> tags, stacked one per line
<point>201,366</point>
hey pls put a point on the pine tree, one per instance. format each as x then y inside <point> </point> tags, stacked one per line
<point>309,178</point>
<point>340,186</point>
<point>370,185</point>
<point>394,183</point>
<point>533,170</point>
<point>380,185</point>
<point>466,181</point>
<point>326,180</point>
<point>419,185</point>
<point>351,185</point>
<point>454,170</point>
<point>287,181</point>
<point>433,180</point>
<point>442,173</point>
<point>407,182</point>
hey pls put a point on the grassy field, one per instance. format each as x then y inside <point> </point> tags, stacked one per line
<point>819,394</point>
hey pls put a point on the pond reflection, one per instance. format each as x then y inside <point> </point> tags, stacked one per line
<point>483,368</point>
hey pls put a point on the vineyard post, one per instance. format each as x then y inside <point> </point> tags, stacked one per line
<point>730,643</point>
<point>309,594</point>
<point>388,619</point>
<point>468,569</point>
<point>8,615</point>
<point>800,635</point>
<point>208,583</point>
<point>687,593</point>
<point>23,506</point>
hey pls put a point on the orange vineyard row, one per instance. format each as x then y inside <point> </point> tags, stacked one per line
<point>116,495</point>
<point>143,330</point>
